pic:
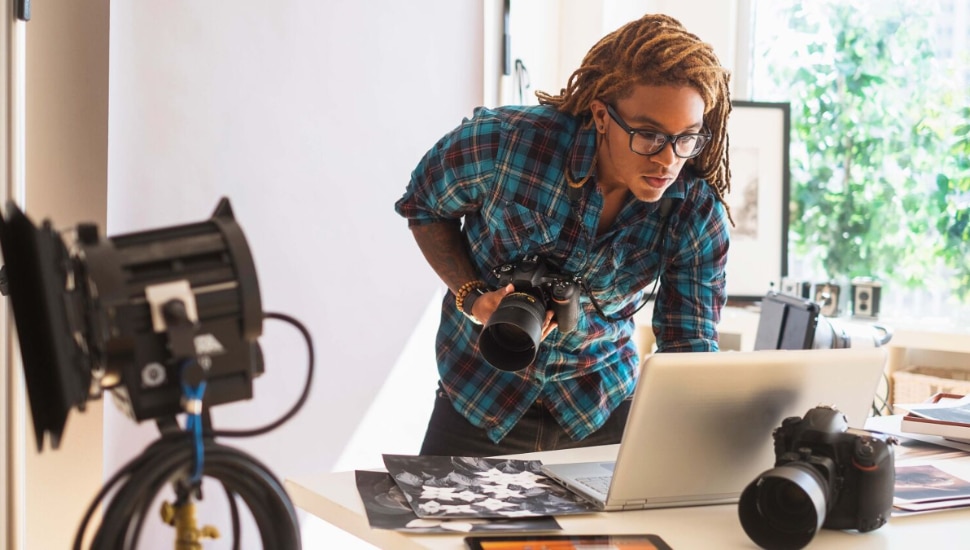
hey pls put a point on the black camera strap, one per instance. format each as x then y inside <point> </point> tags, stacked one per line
<point>666,205</point>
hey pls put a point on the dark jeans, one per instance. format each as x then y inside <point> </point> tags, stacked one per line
<point>450,434</point>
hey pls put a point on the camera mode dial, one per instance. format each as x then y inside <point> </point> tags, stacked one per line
<point>864,452</point>
<point>869,451</point>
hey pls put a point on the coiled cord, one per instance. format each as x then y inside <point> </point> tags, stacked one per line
<point>172,459</point>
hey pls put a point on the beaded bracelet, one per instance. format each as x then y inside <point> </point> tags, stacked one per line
<point>463,293</point>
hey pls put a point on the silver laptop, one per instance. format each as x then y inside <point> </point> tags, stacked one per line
<point>699,428</point>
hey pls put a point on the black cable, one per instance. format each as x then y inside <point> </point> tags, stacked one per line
<point>170,460</point>
<point>664,207</point>
<point>306,389</point>
<point>651,296</point>
<point>234,517</point>
<point>880,402</point>
<point>521,79</point>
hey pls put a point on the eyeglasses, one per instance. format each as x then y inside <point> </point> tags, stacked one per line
<point>648,143</point>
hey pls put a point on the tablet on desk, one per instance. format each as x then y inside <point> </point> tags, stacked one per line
<point>567,542</point>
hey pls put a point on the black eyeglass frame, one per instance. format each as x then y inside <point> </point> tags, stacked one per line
<point>668,138</point>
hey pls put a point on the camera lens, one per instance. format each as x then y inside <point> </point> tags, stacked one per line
<point>830,334</point>
<point>510,338</point>
<point>784,507</point>
<point>784,504</point>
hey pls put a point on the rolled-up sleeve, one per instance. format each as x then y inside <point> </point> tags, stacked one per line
<point>447,183</point>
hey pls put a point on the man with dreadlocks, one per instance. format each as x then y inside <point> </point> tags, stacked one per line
<point>619,181</point>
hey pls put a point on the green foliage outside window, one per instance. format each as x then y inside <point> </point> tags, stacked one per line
<point>952,198</point>
<point>880,157</point>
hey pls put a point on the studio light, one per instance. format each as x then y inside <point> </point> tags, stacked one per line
<point>167,321</point>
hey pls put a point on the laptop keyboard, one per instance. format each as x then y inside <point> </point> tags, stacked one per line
<point>597,483</point>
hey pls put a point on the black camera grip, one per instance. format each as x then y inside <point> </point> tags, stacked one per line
<point>565,305</point>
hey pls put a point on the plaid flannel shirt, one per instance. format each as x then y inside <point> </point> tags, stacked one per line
<point>502,173</point>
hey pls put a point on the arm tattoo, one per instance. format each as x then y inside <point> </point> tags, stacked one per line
<point>445,249</point>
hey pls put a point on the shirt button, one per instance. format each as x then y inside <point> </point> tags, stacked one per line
<point>580,253</point>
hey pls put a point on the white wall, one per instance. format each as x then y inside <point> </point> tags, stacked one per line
<point>309,115</point>
<point>552,36</point>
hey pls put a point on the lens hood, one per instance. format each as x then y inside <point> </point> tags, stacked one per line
<point>510,338</point>
<point>784,507</point>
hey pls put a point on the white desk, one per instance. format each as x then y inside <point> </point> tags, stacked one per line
<point>334,498</point>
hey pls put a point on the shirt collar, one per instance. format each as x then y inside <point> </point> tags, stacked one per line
<point>678,190</point>
<point>583,153</point>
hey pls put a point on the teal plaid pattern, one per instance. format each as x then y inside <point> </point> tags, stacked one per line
<point>502,174</point>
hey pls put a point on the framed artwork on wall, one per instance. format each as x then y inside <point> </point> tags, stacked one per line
<point>758,147</point>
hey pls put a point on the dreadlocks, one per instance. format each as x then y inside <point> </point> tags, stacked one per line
<point>656,50</point>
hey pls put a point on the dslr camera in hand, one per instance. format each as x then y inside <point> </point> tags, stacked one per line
<point>826,475</point>
<point>510,339</point>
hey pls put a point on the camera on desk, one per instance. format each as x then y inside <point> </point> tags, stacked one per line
<point>790,322</point>
<point>826,475</point>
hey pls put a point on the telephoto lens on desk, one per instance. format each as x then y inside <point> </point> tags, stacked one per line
<point>826,475</point>
<point>168,322</point>
<point>792,322</point>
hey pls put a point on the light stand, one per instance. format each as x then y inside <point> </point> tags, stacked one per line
<point>168,321</point>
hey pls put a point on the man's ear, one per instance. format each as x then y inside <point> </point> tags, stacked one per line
<point>601,118</point>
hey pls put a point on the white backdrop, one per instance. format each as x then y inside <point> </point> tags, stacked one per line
<point>309,115</point>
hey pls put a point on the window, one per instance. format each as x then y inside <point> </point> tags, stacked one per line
<point>880,153</point>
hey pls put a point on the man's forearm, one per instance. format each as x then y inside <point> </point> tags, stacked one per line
<point>445,250</point>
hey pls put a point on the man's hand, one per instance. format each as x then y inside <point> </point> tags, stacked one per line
<point>548,325</point>
<point>487,303</point>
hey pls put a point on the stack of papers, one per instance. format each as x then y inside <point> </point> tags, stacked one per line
<point>921,488</point>
<point>469,487</point>
<point>433,494</point>
<point>388,508</point>
<point>932,457</point>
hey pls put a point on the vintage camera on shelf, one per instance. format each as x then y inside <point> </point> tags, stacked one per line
<point>131,314</point>
<point>826,475</point>
<point>828,296</point>
<point>510,339</point>
<point>794,287</point>
<point>866,297</point>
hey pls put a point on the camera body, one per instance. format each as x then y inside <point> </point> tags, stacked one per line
<point>511,336</point>
<point>533,277</point>
<point>858,464</point>
<point>826,475</point>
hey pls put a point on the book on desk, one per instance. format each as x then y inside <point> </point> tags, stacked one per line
<point>945,415</point>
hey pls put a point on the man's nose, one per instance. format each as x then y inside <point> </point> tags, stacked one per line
<point>665,156</point>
